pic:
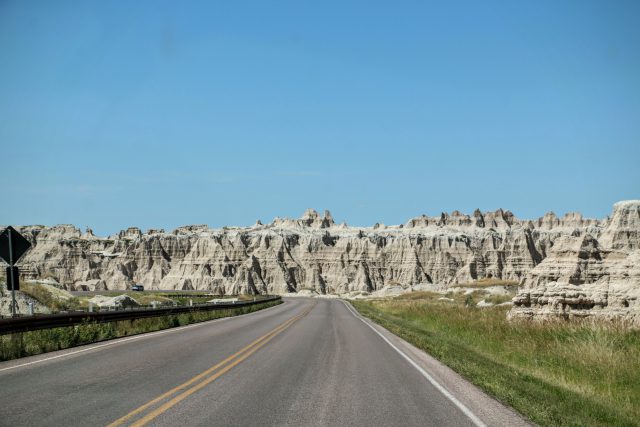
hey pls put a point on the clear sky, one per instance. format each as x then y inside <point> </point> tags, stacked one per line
<point>159,114</point>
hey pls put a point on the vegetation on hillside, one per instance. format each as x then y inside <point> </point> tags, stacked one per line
<point>57,300</point>
<point>51,297</point>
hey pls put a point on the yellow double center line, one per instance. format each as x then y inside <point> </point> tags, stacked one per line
<point>187,388</point>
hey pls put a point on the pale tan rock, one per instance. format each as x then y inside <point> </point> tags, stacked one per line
<point>595,275</point>
<point>623,230</point>
<point>313,253</point>
<point>484,304</point>
<point>120,301</point>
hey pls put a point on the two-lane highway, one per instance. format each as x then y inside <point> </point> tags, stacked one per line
<point>304,362</point>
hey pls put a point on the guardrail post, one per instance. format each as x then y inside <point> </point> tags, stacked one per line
<point>30,309</point>
<point>190,303</point>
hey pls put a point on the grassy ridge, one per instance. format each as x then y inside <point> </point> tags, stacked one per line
<point>36,342</point>
<point>47,296</point>
<point>554,373</point>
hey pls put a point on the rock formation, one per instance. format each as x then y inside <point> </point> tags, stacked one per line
<point>565,264</point>
<point>22,303</point>
<point>594,274</point>
<point>120,301</point>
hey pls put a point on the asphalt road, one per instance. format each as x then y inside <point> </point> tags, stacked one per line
<point>307,362</point>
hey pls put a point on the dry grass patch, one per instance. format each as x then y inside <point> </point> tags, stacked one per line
<point>419,295</point>
<point>487,283</point>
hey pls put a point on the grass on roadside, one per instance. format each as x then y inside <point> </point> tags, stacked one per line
<point>42,341</point>
<point>555,373</point>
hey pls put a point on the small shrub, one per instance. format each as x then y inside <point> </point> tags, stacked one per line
<point>468,301</point>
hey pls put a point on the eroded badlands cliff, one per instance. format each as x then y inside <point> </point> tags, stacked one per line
<point>593,274</point>
<point>567,266</point>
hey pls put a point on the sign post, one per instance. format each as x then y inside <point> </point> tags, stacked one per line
<point>12,246</point>
<point>13,288</point>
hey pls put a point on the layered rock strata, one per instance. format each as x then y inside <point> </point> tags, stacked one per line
<point>595,274</point>
<point>564,264</point>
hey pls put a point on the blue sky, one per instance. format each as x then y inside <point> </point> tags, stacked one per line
<point>159,114</point>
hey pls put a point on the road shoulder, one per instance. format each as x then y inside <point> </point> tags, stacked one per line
<point>490,411</point>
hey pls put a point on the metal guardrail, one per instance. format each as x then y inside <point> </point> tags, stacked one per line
<point>48,321</point>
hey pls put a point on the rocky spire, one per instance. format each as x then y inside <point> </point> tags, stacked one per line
<point>311,218</point>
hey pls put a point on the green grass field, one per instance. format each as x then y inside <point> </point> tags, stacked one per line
<point>554,373</point>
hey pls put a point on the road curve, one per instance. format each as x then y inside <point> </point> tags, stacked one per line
<point>307,362</point>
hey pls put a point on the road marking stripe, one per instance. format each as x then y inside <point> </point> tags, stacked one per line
<point>477,421</point>
<point>116,341</point>
<point>131,414</point>
<point>239,356</point>
<point>187,393</point>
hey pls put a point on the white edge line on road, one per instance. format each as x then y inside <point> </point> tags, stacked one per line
<point>116,341</point>
<point>477,421</point>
